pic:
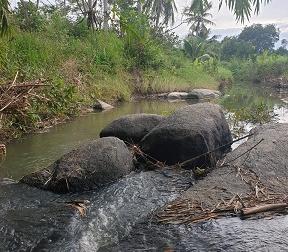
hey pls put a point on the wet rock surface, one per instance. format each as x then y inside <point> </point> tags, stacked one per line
<point>187,133</point>
<point>177,95</point>
<point>132,128</point>
<point>203,94</point>
<point>93,165</point>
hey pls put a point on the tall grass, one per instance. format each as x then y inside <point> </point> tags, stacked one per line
<point>82,69</point>
<point>263,68</point>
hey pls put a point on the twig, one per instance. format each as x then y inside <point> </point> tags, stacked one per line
<point>241,155</point>
<point>218,148</point>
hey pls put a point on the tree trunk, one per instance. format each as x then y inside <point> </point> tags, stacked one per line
<point>139,6</point>
<point>106,15</point>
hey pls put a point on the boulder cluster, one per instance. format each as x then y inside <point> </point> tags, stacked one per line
<point>198,133</point>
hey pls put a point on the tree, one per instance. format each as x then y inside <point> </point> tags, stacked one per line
<point>4,10</point>
<point>106,14</point>
<point>284,43</point>
<point>198,48</point>
<point>28,17</point>
<point>160,11</point>
<point>233,47</point>
<point>242,9</point>
<point>198,18</point>
<point>262,37</point>
<point>282,50</point>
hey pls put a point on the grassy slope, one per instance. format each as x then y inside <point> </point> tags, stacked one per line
<point>81,70</point>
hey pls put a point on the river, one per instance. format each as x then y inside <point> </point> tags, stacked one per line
<point>118,216</point>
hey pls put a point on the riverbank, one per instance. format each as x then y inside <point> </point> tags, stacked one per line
<point>77,71</point>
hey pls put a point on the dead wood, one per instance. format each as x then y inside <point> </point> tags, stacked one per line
<point>264,208</point>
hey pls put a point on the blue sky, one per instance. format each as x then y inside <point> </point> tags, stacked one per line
<point>273,13</point>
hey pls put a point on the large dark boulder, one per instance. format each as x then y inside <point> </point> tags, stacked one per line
<point>132,128</point>
<point>96,164</point>
<point>188,133</point>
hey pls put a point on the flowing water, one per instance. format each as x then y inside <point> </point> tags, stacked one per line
<point>118,218</point>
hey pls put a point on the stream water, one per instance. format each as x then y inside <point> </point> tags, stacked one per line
<point>118,216</point>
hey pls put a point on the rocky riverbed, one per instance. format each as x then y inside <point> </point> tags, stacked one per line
<point>158,209</point>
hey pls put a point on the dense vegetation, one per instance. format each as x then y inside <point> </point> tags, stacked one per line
<point>87,50</point>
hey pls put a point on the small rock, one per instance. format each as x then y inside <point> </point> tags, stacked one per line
<point>203,94</point>
<point>177,95</point>
<point>100,105</point>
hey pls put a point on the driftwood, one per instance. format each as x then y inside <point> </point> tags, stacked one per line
<point>264,208</point>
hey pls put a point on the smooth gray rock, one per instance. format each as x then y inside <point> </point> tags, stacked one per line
<point>101,105</point>
<point>187,133</point>
<point>177,95</point>
<point>96,164</point>
<point>203,94</point>
<point>132,128</point>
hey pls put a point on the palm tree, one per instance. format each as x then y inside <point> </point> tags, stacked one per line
<point>161,9</point>
<point>4,10</point>
<point>242,9</point>
<point>198,18</point>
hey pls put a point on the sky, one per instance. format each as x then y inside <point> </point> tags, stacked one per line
<point>274,13</point>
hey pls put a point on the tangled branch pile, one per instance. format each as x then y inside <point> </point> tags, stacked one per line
<point>260,200</point>
<point>14,97</point>
<point>15,101</point>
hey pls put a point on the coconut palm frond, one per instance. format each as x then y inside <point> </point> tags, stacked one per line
<point>242,9</point>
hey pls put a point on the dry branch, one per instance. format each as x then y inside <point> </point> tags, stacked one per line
<point>264,208</point>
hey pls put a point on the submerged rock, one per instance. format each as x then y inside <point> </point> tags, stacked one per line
<point>203,94</point>
<point>132,128</point>
<point>177,95</point>
<point>96,164</point>
<point>101,105</point>
<point>187,133</point>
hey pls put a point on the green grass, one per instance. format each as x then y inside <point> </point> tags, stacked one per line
<point>95,66</point>
<point>263,68</point>
<point>183,79</point>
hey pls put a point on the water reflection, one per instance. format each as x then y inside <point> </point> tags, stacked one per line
<point>36,151</point>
